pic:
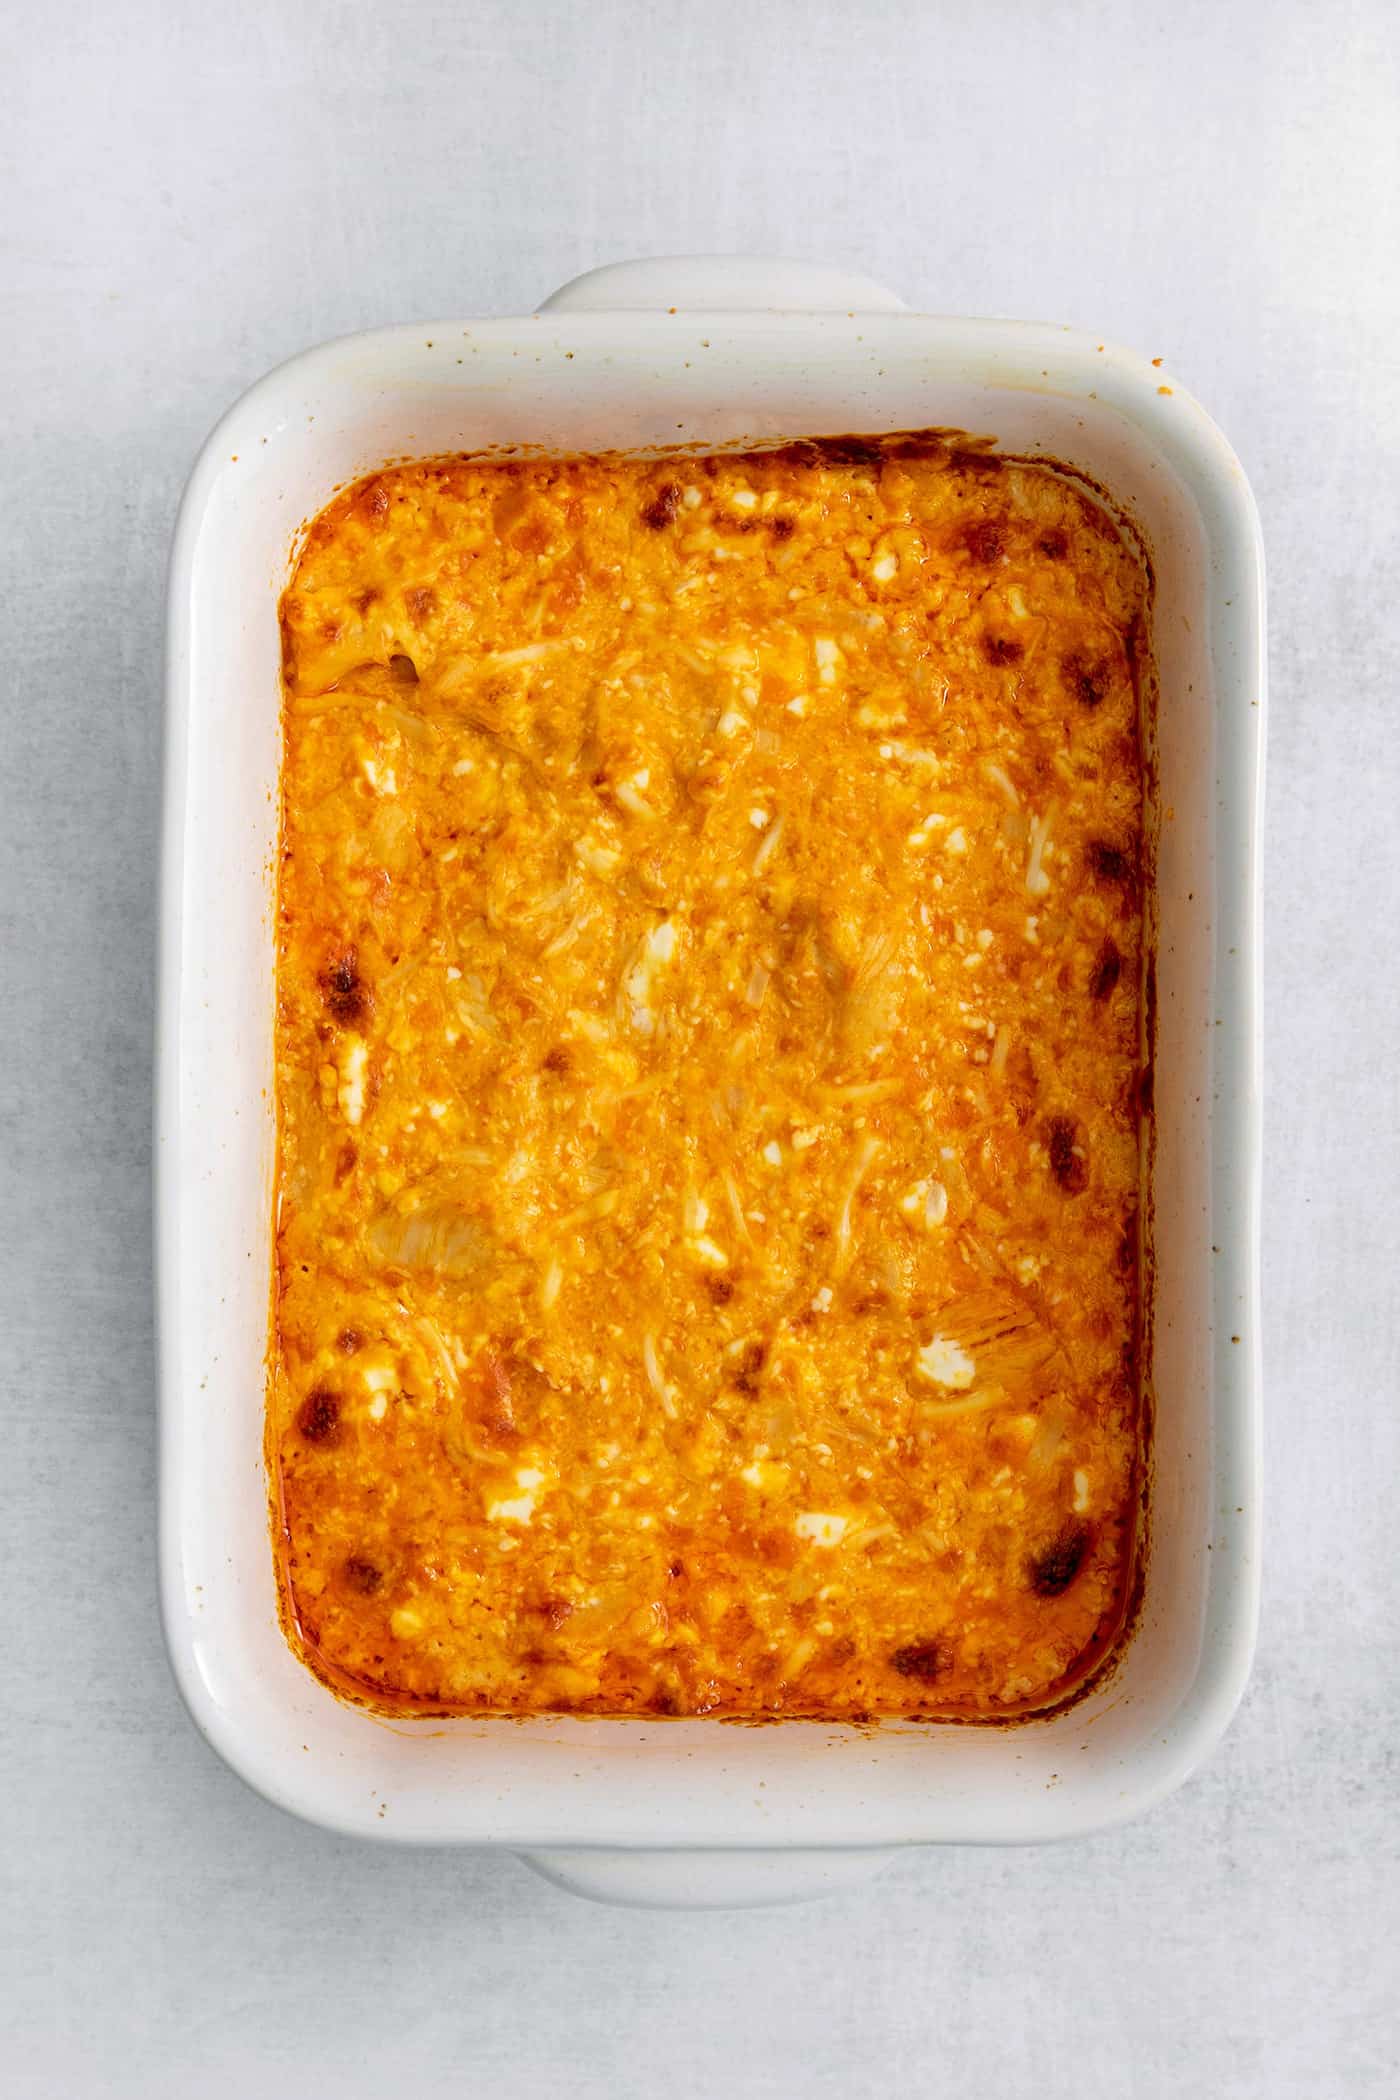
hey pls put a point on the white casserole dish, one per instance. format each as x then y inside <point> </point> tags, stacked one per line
<point>670,353</point>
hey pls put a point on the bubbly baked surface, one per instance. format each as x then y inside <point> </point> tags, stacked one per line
<point>709,1084</point>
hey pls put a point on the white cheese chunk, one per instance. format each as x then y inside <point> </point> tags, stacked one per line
<point>765,1475</point>
<point>828,658</point>
<point>822,1527</point>
<point>518,1509</point>
<point>943,1362</point>
<point>925,1204</point>
<point>350,1094</point>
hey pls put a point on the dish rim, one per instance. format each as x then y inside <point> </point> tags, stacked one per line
<point>1206,457</point>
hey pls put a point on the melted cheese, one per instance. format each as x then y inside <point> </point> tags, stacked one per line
<point>707,1057</point>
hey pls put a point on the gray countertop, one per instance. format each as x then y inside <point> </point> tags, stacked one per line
<point>195,193</point>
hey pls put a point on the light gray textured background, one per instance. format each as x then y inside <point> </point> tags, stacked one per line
<point>190,194</point>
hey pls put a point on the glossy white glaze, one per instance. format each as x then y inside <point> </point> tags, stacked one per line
<point>631,373</point>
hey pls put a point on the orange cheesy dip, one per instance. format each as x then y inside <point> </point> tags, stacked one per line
<point>709,1082</point>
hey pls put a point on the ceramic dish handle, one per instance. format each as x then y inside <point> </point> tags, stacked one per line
<point>721,284</point>
<point>713,1880</point>
<point>705,1880</point>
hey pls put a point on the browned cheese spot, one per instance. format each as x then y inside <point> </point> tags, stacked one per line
<point>1108,967</point>
<point>1110,863</point>
<point>318,1417</point>
<point>663,507</point>
<point>985,541</point>
<point>1067,1161</point>
<point>344,990</point>
<point>1052,1571</point>
<point>1088,681</point>
<point>922,1660</point>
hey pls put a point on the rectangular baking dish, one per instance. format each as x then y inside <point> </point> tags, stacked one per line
<point>665,354</point>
